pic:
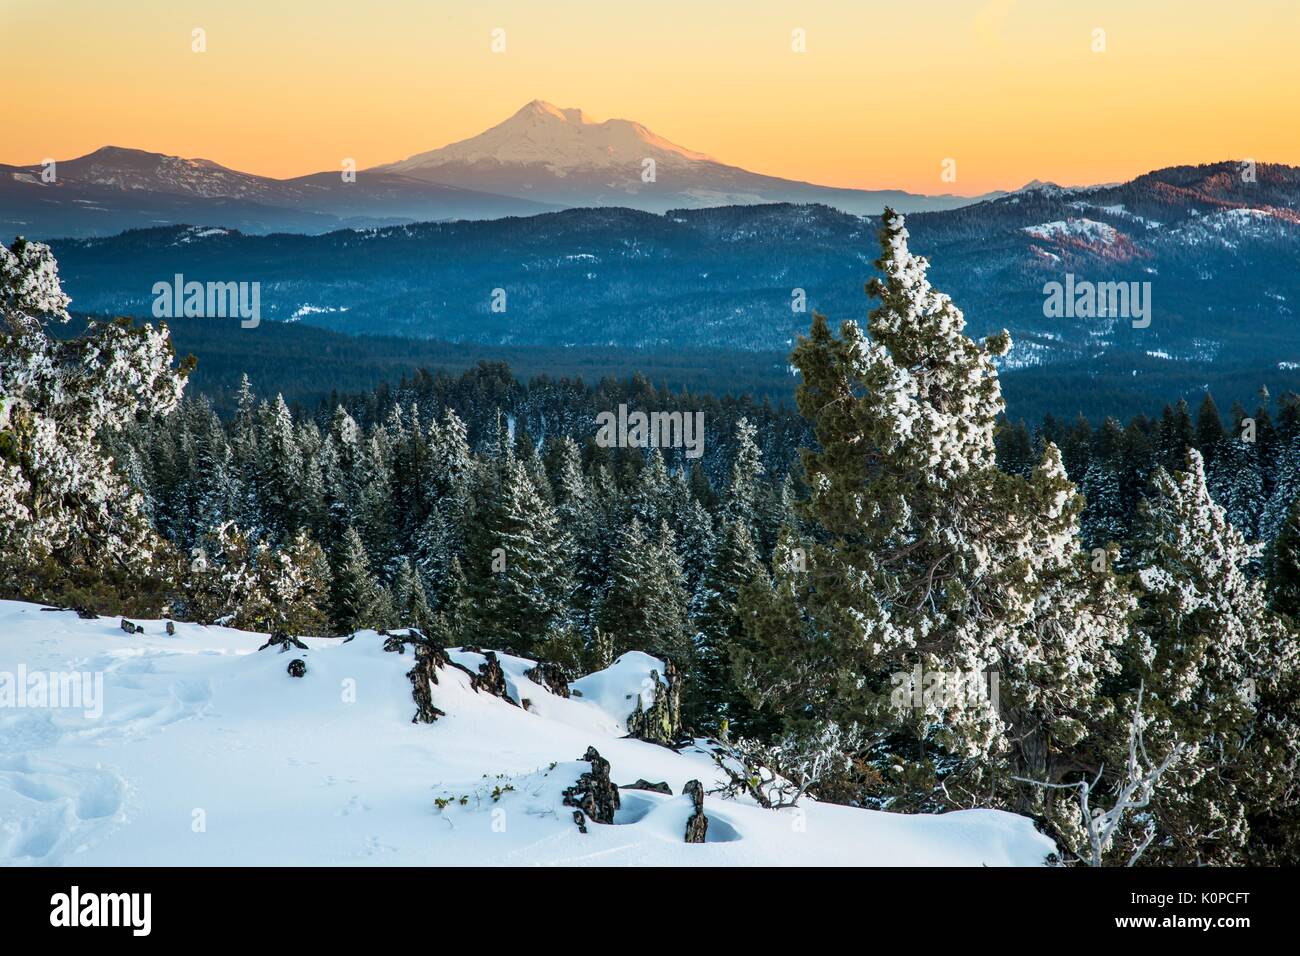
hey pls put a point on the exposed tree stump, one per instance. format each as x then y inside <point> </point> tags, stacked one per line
<point>697,826</point>
<point>171,628</point>
<point>422,676</point>
<point>297,667</point>
<point>595,795</point>
<point>429,657</point>
<point>554,677</point>
<point>130,628</point>
<point>283,640</point>
<point>492,678</point>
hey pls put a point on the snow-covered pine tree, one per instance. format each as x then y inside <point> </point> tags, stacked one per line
<point>375,521</point>
<point>924,553</point>
<point>696,541</point>
<point>713,695</point>
<point>1235,478</point>
<point>1284,567</point>
<point>744,492</point>
<point>520,581</point>
<point>431,555</point>
<point>1103,520</point>
<point>223,583</point>
<point>216,488</point>
<point>650,496</point>
<point>410,604</point>
<point>279,471</point>
<point>354,595</point>
<point>644,606</point>
<point>342,465</point>
<point>1208,650</point>
<point>244,455</point>
<point>73,522</point>
<point>296,578</point>
<point>577,513</point>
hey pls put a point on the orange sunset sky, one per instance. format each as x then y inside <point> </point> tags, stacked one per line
<point>1010,89</point>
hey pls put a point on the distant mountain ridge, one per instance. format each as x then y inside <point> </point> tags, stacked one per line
<point>541,159</point>
<point>1222,257</point>
<point>114,188</point>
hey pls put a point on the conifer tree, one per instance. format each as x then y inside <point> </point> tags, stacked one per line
<point>644,607</point>
<point>354,595</point>
<point>1208,651</point>
<point>1210,434</point>
<point>66,511</point>
<point>296,579</point>
<point>522,582</point>
<point>1284,567</point>
<point>925,554</point>
<point>578,514</point>
<point>718,631</point>
<point>280,471</point>
<point>410,603</point>
<point>743,500</point>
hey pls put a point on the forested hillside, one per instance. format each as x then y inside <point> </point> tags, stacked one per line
<point>892,599</point>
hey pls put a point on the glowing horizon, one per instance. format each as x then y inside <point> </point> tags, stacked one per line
<point>1012,91</point>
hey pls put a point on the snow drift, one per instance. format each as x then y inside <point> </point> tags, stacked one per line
<point>202,750</point>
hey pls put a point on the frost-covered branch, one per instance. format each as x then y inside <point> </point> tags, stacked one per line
<point>1137,786</point>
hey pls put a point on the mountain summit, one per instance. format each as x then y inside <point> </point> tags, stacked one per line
<point>562,156</point>
<point>558,139</point>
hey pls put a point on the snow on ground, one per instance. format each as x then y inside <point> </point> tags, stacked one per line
<point>206,752</point>
<point>1086,229</point>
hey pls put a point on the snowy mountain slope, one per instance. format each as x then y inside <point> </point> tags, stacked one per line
<point>208,752</point>
<point>562,156</point>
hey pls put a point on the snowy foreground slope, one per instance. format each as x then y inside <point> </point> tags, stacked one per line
<point>208,752</point>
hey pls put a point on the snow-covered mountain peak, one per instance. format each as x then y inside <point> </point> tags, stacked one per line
<point>559,139</point>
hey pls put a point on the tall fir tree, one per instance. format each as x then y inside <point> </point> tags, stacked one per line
<point>354,595</point>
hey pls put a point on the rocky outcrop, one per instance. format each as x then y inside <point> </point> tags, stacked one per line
<point>661,722</point>
<point>171,628</point>
<point>643,784</point>
<point>297,667</point>
<point>697,825</point>
<point>594,795</point>
<point>283,640</point>
<point>554,677</point>
<point>131,628</point>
